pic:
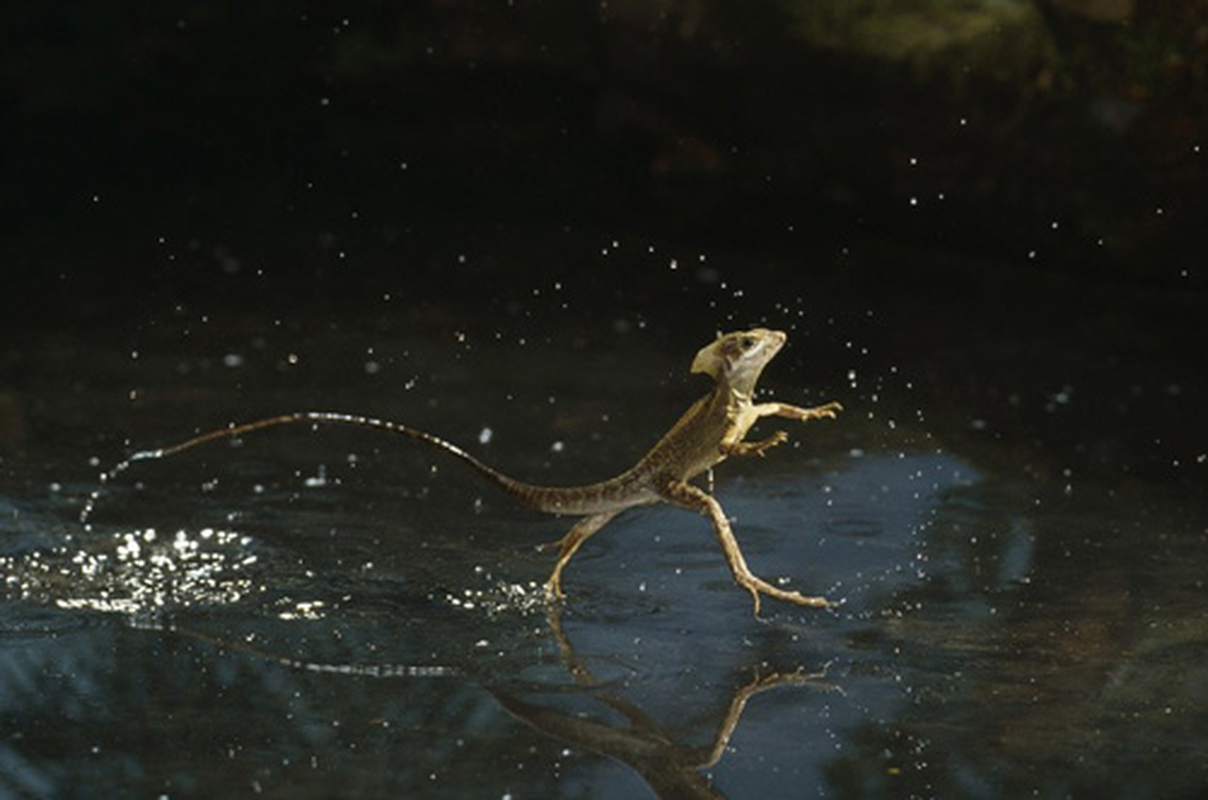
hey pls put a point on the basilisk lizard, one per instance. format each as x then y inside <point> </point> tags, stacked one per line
<point>710,431</point>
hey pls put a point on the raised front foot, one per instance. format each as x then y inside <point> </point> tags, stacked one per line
<point>825,411</point>
<point>755,448</point>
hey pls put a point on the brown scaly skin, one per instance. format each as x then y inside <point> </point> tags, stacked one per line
<point>709,432</point>
<point>713,429</point>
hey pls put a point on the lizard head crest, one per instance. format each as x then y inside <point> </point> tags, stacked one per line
<point>738,358</point>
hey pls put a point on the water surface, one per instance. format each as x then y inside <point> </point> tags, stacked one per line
<point>308,613</point>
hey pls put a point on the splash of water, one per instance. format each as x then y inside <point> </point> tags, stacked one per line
<point>138,573</point>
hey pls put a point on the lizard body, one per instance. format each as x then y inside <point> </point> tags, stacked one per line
<point>711,430</point>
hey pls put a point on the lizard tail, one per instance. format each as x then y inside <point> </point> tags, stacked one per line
<point>527,494</point>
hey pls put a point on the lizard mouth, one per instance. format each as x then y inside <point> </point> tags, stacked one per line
<point>778,338</point>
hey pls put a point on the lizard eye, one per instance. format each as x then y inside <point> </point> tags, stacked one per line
<point>746,342</point>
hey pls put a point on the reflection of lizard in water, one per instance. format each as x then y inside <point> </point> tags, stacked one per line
<point>709,432</point>
<point>624,731</point>
<point>670,768</point>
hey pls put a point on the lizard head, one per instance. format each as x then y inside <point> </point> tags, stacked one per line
<point>738,358</point>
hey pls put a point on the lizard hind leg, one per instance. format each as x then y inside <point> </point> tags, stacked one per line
<point>569,544</point>
<point>687,496</point>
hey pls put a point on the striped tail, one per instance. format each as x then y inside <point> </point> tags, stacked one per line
<point>543,498</point>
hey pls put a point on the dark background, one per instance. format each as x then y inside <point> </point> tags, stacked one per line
<point>999,197</point>
<point>1070,129</point>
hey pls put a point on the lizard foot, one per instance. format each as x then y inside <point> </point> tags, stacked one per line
<point>755,448</point>
<point>758,586</point>
<point>761,447</point>
<point>553,590</point>
<point>825,411</point>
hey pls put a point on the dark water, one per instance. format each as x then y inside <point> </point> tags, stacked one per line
<point>337,612</point>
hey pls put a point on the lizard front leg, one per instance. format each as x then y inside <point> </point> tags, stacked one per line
<point>688,496</point>
<point>754,448</point>
<point>825,411</point>
<point>733,445</point>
